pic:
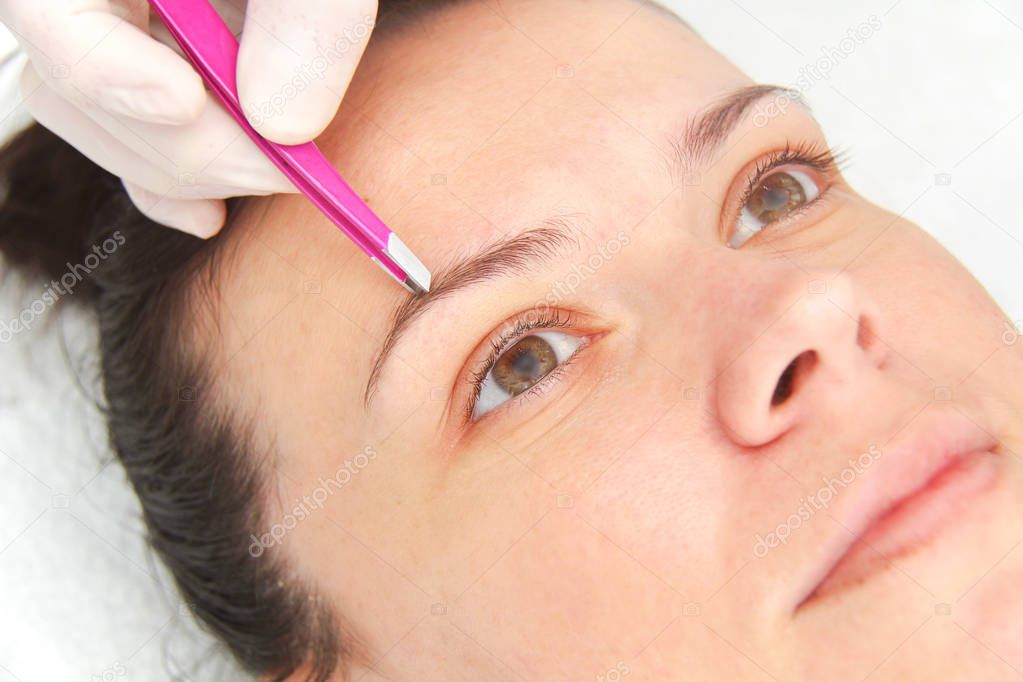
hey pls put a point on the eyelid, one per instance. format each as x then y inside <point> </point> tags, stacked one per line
<point>509,333</point>
<point>518,326</point>
<point>823,163</point>
<point>492,398</point>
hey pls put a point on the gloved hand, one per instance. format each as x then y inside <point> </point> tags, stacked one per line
<point>123,96</point>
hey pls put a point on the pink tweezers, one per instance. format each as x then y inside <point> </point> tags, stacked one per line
<point>213,50</point>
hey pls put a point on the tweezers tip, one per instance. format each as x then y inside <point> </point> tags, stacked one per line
<point>417,277</point>
<point>415,288</point>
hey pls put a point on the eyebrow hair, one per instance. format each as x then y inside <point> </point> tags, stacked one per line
<point>508,256</point>
<point>703,134</point>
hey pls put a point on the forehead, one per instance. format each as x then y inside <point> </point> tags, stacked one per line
<point>483,120</point>
<point>502,102</point>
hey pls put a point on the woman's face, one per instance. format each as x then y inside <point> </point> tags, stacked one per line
<point>746,461</point>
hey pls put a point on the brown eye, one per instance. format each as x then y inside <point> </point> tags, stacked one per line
<point>524,364</point>
<point>773,197</point>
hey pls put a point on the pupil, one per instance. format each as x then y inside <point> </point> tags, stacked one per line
<point>776,196</point>
<point>775,199</point>
<point>524,364</point>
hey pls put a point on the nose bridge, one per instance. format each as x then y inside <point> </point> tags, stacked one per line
<point>802,341</point>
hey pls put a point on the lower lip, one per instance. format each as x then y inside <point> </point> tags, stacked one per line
<point>913,522</point>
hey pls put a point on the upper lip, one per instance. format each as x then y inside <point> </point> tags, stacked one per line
<point>932,443</point>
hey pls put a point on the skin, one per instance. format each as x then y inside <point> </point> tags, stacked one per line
<point>607,526</point>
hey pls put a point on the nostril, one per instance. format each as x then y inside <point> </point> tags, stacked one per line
<point>792,375</point>
<point>865,333</point>
<point>783,389</point>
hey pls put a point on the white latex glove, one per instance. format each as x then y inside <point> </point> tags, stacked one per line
<point>98,77</point>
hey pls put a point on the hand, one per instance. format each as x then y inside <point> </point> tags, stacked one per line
<point>124,96</point>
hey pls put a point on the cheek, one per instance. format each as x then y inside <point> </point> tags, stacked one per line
<point>935,313</point>
<point>668,502</point>
<point>564,599</point>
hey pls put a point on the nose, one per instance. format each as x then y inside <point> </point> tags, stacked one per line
<point>800,347</point>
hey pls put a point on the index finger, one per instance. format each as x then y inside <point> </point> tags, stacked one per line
<point>93,50</point>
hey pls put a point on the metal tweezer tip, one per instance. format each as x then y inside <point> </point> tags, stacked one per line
<point>417,278</point>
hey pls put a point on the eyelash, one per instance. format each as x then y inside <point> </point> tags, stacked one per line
<point>826,161</point>
<point>504,340</point>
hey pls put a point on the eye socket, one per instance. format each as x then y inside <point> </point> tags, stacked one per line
<point>774,197</point>
<point>782,184</point>
<point>522,366</point>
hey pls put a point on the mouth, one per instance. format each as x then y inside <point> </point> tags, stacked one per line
<point>938,464</point>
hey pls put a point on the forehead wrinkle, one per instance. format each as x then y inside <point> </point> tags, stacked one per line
<point>510,255</point>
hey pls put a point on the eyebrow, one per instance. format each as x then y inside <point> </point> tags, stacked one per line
<point>514,255</point>
<point>527,251</point>
<point>705,133</point>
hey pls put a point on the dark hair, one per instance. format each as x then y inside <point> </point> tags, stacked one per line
<point>199,483</point>
<point>191,461</point>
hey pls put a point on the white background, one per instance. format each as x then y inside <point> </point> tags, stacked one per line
<point>935,90</point>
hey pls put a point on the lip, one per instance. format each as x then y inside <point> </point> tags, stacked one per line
<point>908,498</point>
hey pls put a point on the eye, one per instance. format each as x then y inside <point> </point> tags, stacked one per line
<point>782,183</point>
<point>522,366</point>
<point>773,197</point>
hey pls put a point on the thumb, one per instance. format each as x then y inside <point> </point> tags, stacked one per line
<point>296,60</point>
